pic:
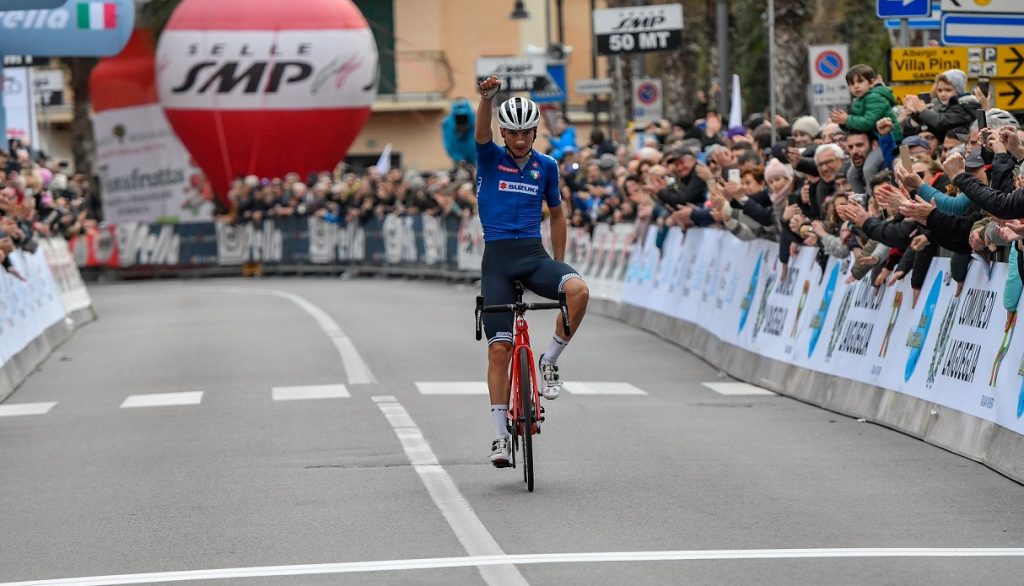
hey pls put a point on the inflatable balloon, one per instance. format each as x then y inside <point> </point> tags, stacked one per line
<point>265,87</point>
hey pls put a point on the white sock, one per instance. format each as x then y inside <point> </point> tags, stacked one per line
<point>499,413</point>
<point>554,350</point>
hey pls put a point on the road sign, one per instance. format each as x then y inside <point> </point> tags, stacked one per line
<point>984,6</point>
<point>638,29</point>
<point>517,74</point>
<point>924,63</point>
<point>828,64</point>
<point>594,87</point>
<point>1010,61</point>
<point>647,100</point>
<point>1008,94</point>
<point>903,8</point>
<point>918,23</point>
<point>982,29</point>
<point>554,90</point>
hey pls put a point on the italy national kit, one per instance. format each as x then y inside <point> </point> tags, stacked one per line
<point>510,203</point>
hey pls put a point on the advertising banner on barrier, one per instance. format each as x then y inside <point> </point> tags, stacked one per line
<point>144,170</point>
<point>427,241</point>
<point>27,307</point>
<point>949,344</point>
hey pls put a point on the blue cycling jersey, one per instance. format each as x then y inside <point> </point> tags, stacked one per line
<point>510,199</point>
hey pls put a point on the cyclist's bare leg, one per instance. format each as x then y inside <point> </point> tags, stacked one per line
<point>498,356</point>
<point>577,295</point>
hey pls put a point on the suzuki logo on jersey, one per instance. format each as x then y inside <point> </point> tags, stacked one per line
<point>507,169</point>
<point>518,187</point>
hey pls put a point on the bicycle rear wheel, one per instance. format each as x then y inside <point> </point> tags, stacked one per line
<point>529,418</point>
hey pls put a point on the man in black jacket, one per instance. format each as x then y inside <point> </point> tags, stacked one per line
<point>688,188</point>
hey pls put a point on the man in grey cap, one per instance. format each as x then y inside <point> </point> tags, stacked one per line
<point>688,188</point>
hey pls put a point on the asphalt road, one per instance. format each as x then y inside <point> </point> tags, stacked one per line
<point>255,490</point>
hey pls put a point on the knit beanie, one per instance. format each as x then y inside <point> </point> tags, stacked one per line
<point>808,125</point>
<point>956,78</point>
<point>776,169</point>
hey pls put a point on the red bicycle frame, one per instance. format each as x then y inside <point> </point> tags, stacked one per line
<point>522,340</point>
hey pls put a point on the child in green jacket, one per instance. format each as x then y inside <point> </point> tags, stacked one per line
<point>872,101</point>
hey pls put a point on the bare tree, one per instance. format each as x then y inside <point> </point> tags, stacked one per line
<point>83,146</point>
<point>791,77</point>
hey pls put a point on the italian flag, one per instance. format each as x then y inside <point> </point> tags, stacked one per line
<point>97,15</point>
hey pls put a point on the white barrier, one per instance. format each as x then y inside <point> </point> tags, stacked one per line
<point>846,346</point>
<point>38,314</point>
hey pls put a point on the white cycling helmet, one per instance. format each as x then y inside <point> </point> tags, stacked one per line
<point>518,114</point>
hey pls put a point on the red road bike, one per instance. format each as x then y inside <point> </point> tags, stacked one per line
<point>524,412</point>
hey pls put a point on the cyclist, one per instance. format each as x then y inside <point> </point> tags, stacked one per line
<point>512,185</point>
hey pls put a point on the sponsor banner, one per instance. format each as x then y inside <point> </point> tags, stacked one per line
<point>145,172</point>
<point>66,277</point>
<point>267,70</point>
<point>29,307</point>
<point>394,240</point>
<point>18,101</point>
<point>952,344</point>
<point>75,29</point>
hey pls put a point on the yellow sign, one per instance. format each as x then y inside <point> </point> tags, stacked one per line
<point>1010,61</point>
<point>909,90</point>
<point>924,63</point>
<point>1008,94</point>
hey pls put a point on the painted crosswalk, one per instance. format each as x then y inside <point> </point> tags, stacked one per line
<point>309,392</point>
<point>574,387</point>
<point>737,389</point>
<point>163,399</point>
<point>19,409</point>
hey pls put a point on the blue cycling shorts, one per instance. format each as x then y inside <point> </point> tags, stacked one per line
<point>525,260</point>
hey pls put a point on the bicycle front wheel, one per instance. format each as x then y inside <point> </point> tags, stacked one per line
<point>529,418</point>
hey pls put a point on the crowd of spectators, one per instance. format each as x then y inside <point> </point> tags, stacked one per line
<point>38,197</point>
<point>840,185</point>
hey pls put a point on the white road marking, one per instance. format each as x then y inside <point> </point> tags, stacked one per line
<point>581,388</point>
<point>309,392</point>
<point>737,389</point>
<point>17,409</point>
<point>497,561</point>
<point>356,369</point>
<point>452,388</point>
<point>163,399</point>
<point>575,387</point>
<point>468,528</point>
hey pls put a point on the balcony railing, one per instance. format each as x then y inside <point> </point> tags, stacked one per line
<point>415,76</point>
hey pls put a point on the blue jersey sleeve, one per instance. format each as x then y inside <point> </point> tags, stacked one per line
<point>488,153</point>
<point>552,194</point>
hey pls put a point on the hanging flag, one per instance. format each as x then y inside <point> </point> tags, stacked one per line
<point>736,111</point>
<point>384,162</point>
<point>97,15</point>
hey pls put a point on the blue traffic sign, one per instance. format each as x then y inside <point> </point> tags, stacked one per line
<point>982,29</point>
<point>932,22</point>
<point>903,8</point>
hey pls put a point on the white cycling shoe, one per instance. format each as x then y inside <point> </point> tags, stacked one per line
<point>552,387</point>
<point>501,450</point>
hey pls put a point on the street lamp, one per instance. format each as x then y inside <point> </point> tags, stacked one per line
<point>519,12</point>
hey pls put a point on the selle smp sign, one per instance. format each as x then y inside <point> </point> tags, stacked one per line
<point>639,29</point>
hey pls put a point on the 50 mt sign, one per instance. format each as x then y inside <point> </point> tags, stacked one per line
<point>638,29</point>
<point>637,42</point>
